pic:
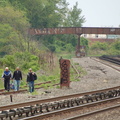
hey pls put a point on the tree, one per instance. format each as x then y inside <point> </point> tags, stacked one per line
<point>14,18</point>
<point>14,27</point>
<point>41,13</point>
<point>74,17</point>
<point>9,40</point>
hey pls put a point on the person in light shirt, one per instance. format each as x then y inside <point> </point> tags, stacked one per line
<point>6,77</point>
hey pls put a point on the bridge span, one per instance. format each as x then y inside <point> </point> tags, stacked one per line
<point>75,30</point>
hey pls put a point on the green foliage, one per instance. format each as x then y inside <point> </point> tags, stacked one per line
<point>35,93</point>
<point>43,78</point>
<point>13,25</point>
<point>66,55</point>
<point>99,46</point>
<point>14,18</point>
<point>1,81</point>
<point>74,18</point>
<point>41,13</point>
<point>23,60</point>
<point>8,61</point>
<point>116,45</point>
<point>98,49</point>
<point>69,47</point>
<point>9,40</point>
<point>61,46</point>
<point>4,3</point>
<point>84,42</point>
<point>52,48</point>
<point>114,48</point>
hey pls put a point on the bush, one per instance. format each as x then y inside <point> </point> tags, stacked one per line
<point>23,60</point>
<point>116,45</point>
<point>99,46</point>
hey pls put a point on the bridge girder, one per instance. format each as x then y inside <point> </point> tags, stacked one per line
<point>75,30</point>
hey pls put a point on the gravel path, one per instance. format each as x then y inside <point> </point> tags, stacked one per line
<point>98,76</point>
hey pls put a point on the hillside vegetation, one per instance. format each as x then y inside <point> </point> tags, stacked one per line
<point>41,53</point>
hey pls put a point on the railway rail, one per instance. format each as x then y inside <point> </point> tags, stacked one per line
<point>98,60</point>
<point>51,114</point>
<point>2,91</point>
<point>93,112</point>
<point>33,107</point>
<point>110,59</point>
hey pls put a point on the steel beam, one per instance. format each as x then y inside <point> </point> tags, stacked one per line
<point>75,30</point>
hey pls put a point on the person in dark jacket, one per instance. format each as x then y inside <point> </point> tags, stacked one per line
<point>17,76</point>
<point>7,76</point>
<point>31,76</point>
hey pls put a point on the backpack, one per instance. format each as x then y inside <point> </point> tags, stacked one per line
<point>35,77</point>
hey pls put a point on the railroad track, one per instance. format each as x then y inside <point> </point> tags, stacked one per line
<point>96,59</point>
<point>93,113</point>
<point>2,91</point>
<point>82,108</point>
<point>110,59</point>
<point>46,105</point>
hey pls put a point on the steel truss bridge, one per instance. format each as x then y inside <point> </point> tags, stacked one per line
<point>75,30</point>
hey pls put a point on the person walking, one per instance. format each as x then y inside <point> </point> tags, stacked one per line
<point>31,77</point>
<point>17,76</point>
<point>7,76</point>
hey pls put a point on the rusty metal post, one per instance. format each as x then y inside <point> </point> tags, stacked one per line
<point>78,54</point>
<point>65,73</point>
<point>11,98</point>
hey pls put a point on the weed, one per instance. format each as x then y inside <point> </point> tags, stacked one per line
<point>57,86</point>
<point>34,93</point>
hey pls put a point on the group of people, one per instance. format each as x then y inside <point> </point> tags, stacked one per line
<point>17,77</point>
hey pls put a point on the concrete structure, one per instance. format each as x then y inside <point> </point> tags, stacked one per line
<point>94,36</point>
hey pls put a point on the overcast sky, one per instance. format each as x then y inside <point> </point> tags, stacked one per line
<point>99,13</point>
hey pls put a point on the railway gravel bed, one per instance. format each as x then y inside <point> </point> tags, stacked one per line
<point>98,76</point>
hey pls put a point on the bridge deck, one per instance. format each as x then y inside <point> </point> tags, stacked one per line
<point>75,30</point>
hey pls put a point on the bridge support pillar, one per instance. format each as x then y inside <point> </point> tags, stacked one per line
<point>78,53</point>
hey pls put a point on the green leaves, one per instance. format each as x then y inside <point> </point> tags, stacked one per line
<point>14,18</point>
<point>74,18</point>
<point>23,60</point>
<point>116,45</point>
<point>99,46</point>
<point>105,48</point>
